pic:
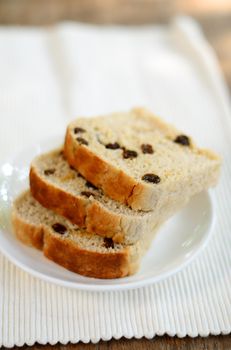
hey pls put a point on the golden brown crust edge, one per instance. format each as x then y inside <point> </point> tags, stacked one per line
<point>114,182</point>
<point>53,198</point>
<point>89,215</point>
<point>86,262</point>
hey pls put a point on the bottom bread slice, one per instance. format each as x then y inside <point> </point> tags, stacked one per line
<point>72,247</point>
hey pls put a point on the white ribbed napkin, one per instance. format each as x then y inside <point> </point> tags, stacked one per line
<point>48,76</point>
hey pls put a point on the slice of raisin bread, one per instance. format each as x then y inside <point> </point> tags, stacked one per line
<point>59,187</point>
<point>139,160</point>
<point>72,247</point>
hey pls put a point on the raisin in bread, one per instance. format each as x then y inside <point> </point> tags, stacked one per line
<point>59,187</point>
<point>139,160</point>
<point>69,246</point>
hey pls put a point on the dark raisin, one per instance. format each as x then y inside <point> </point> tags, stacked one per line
<point>87,194</point>
<point>79,130</point>
<point>146,148</point>
<point>82,141</point>
<point>49,171</point>
<point>114,145</point>
<point>151,178</point>
<point>59,228</point>
<point>183,140</point>
<point>108,243</point>
<point>128,154</point>
<point>90,185</point>
<point>79,175</point>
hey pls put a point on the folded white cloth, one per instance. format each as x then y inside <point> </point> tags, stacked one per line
<point>47,77</point>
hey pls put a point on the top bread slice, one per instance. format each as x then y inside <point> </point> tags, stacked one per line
<point>62,189</point>
<point>72,247</point>
<point>139,160</point>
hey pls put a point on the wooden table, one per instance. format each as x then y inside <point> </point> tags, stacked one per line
<point>158,343</point>
<point>215,19</point>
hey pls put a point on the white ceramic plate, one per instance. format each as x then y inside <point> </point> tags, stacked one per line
<point>176,244</point>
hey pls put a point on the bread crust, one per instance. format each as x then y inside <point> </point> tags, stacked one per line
<point>51,197</point>
<point>70,255</point>
<point>114,182</point>
<point>86,262</point>
<point>83,212</point>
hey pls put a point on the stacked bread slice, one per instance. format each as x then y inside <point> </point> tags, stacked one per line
<point>70,246</point>
<point>95,205</point>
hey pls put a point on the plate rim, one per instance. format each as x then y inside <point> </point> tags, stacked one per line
<point>114,287</point>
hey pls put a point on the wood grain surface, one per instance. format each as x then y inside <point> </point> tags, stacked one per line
<point>215,18</point>
<point>158,343</point>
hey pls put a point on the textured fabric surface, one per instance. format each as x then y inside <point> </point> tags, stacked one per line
<point>48,76</point>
